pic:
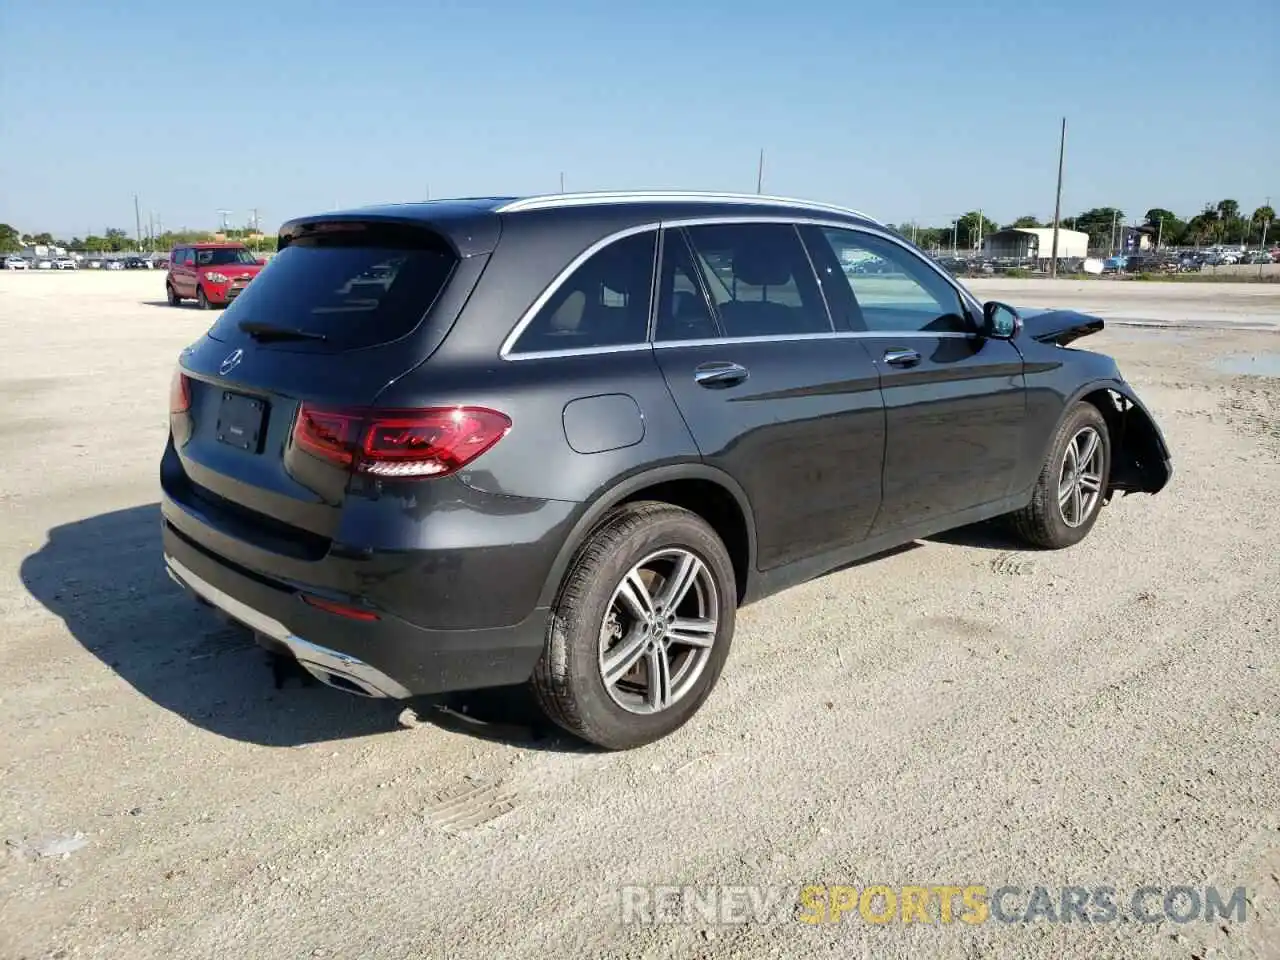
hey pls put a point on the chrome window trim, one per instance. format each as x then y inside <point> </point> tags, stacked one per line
<point>580,351</point>
<point>505,352</point>
<point>836,335</point>
<point>556,201</point>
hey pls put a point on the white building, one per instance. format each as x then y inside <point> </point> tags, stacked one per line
<point>1036,243</point>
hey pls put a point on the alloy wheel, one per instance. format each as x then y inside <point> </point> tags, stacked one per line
<point>1080,481</point>
<point>658,631</point>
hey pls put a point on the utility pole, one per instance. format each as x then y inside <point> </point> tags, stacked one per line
<point>760,173</point>
<point>562,181</point>
<point>137,221</point>
<point>1114,214</point>
<point>1159,234</point>
<point>1057,203</point>
<point>955,226</point>
<point>980,218</point>
<point>224,214</point>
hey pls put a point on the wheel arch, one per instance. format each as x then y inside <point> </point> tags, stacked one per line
<point>1139,455</point>
<point>711,493</point>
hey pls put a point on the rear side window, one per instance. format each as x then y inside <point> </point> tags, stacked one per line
<point>760,279</point>
<point>683,313</point>
<point>356,289</point>
<point>603,303</point>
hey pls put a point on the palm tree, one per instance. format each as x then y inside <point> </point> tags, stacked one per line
<point>1262,218</point>
<point>1228,213</point>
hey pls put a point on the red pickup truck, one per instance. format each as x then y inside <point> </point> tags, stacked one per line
<point>211,273</point>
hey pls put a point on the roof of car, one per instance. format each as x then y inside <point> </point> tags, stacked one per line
<point>473,224</point>
<point>208,244</point>
<point>464,206</point>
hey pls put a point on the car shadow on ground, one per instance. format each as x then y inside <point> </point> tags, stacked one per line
<point>185,305</point>
<point>104,577</point>
<point>990,534</point>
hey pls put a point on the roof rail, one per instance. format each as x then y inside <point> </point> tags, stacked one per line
<point>557,200</point>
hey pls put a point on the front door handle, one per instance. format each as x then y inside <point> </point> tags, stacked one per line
<point>901,358</point>
<point>719,373</point>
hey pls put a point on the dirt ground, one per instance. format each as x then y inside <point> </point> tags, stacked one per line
<point>962,712</point>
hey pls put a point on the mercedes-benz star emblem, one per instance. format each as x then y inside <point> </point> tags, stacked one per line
<point>232,361</point>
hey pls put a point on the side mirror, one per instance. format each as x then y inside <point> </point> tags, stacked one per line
<point>1000,321</point>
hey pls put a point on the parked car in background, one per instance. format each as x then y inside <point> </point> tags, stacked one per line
<point>65,263</point>
<point>562,440</point>
<point>212,274</point>
<point>43,263</point>
<point>113,264</point>
<point>15,263</point>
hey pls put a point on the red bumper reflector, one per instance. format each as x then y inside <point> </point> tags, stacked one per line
<point>339,609</point>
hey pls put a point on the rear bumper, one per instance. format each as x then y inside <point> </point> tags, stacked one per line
<point>387,657</point>
<point>331,666</point>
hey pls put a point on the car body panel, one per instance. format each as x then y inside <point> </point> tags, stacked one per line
<point>803,435</point>
<point>955,423</point>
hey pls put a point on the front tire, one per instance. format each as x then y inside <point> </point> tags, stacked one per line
<point>201,300</point>
<point>1072,484</point>
<point>641,628</point>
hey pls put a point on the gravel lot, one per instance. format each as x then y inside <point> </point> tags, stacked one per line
<point>960,712</point>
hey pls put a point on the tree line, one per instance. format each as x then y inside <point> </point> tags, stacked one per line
<point>1223,222</point>
<point>115,240</point>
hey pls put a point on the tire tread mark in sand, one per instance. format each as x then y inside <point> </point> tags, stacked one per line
<point>469,805</point>
<point>1013,564</point>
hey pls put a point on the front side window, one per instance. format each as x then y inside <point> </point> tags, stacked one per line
<point>603,303</point>
<point>760,279</point>
<point>895,290</point>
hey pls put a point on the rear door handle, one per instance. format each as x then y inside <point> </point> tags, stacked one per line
<point>901,358</point>
<point>719,373</point>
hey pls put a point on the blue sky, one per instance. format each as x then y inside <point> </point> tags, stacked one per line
<point>907,110</point>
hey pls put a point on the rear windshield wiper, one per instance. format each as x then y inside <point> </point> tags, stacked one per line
<point>265,331</point>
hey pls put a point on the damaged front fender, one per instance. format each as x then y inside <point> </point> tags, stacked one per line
<point>1140,457</point>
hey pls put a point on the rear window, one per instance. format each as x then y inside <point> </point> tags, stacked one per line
<point>354,294</point>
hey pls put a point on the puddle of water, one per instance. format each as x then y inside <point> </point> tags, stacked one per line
<point>1251,364</point>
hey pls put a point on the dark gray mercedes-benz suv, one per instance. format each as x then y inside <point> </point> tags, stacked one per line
<point>560,440</point>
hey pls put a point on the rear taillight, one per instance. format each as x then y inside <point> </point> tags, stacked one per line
<point>410,444</point>
<point>179,393</point>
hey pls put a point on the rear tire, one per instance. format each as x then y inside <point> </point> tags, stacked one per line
<point>172,294</point>
<point>616,678</point>
<point>1079,463</point>
<point>201,300</point>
